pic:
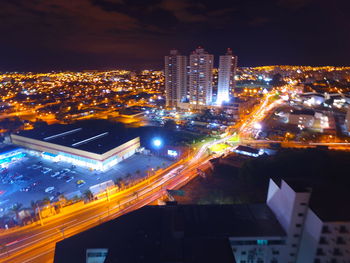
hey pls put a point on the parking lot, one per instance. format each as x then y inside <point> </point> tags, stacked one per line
<point>34,178</point>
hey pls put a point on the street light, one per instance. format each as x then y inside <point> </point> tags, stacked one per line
<point>157,143</point>
<point>257,126</point>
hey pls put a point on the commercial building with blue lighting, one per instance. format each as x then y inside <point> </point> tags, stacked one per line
<point>98,147</point>
<point>9,154</point>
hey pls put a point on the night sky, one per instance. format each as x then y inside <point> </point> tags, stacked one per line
<point>44,35</point>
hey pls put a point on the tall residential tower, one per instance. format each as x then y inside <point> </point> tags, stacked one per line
<point>175,78</point>
<point>201,76</point>
<point>227,71</point>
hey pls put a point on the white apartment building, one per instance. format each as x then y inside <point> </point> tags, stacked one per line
<point>175,72</point>
<point>316,224</point>
<point>201,77</point>
<point>289,203</point>
<point>314,230</point>
<point>226,81</point>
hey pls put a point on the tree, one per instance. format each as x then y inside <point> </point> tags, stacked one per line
<point>34,207</point>
<point>170,125</point>
<point>277,80</point>
<point>39,123</point>
<point>16,208</point>
<point>46,201</point>
<point>88,195</point>
<point>117,181</point>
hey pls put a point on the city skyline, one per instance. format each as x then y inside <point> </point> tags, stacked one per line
<point>174,131</point>
<point>64,35</point>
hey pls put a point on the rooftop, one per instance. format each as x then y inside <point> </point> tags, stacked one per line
<point>303,112</point>
<point>247,149</point>
<point>178,233</point>
<point>96,136</point>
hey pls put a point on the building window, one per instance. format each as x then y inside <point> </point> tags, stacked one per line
<point>343,229</point>
<point>275,252</point>
<point>292,254</point>
<point>298,225</point>
<point>294,245</point>
<point>243,261</point>
<point>303,204</point>
<point>296,235</point>
<point>319,252</point>
<point>340,241</point>
<point>337,252</point>
<point>301,214</point>
<point>325,229</point>
<point>274,261</point>
<point>323,240</point>
<point>261,242</point>
<point>317,260</point>
<point>243,252</point>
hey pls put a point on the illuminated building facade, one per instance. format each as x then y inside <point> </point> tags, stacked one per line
<point>227,70</point>
<point>201,77</point>
<point>96,148</point>
<point>175,72</point>
<point>9,154</point>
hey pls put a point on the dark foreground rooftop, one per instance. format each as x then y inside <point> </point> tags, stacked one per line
<point>96,136</point>
<point>178,233</point>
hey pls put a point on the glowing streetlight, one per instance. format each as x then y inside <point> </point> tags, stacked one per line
<point>157,142</point>
<point>257,126</point>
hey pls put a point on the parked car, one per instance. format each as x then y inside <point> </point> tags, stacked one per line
<point>55,174</point>
<point>80,183</point>
<point>69,179</point>
<point>49,189</point>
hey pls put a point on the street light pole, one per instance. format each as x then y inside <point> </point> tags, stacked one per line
<point>41,220</point>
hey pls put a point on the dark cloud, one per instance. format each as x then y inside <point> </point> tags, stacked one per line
<point>294,4</point>
<point>59,34</point>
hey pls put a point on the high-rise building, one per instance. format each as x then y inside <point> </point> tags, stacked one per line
<point>201,77</point>
<point>175,78</point>
<point>227,71</point>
